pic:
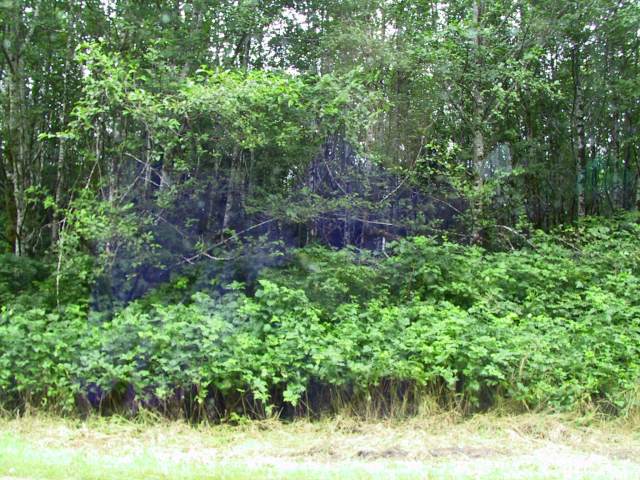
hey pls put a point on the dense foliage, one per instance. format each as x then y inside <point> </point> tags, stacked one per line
<point>343,122</point>
<point>225,206</point>
<point>555,324</point>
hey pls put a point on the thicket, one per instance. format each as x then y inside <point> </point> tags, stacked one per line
<point>554,324</point>
<point>295,206</point>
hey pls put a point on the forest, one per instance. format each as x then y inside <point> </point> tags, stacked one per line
<point>223,209</point>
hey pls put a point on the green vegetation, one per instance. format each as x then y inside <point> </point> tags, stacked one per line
<point>553,325</point>
<point>231,209</point>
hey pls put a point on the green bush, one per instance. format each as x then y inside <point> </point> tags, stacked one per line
<point>20,278</point>
<point>554,326</point>
<point>40,354</point>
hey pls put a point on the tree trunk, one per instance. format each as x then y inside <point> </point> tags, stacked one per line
<point>478,117</point>
<point>579,126</point>
<point>55,225</point>
<point>60,180</point>
<point>629,176</point>
<point>18,151</point>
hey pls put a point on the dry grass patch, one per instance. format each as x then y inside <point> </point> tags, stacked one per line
<point>546,446</point>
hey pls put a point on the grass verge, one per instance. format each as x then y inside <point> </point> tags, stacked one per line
<point>534,446</point>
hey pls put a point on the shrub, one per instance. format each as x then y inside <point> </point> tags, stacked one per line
<point>555,326</point>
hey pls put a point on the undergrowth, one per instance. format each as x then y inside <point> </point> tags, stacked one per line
<point>554,325</point>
